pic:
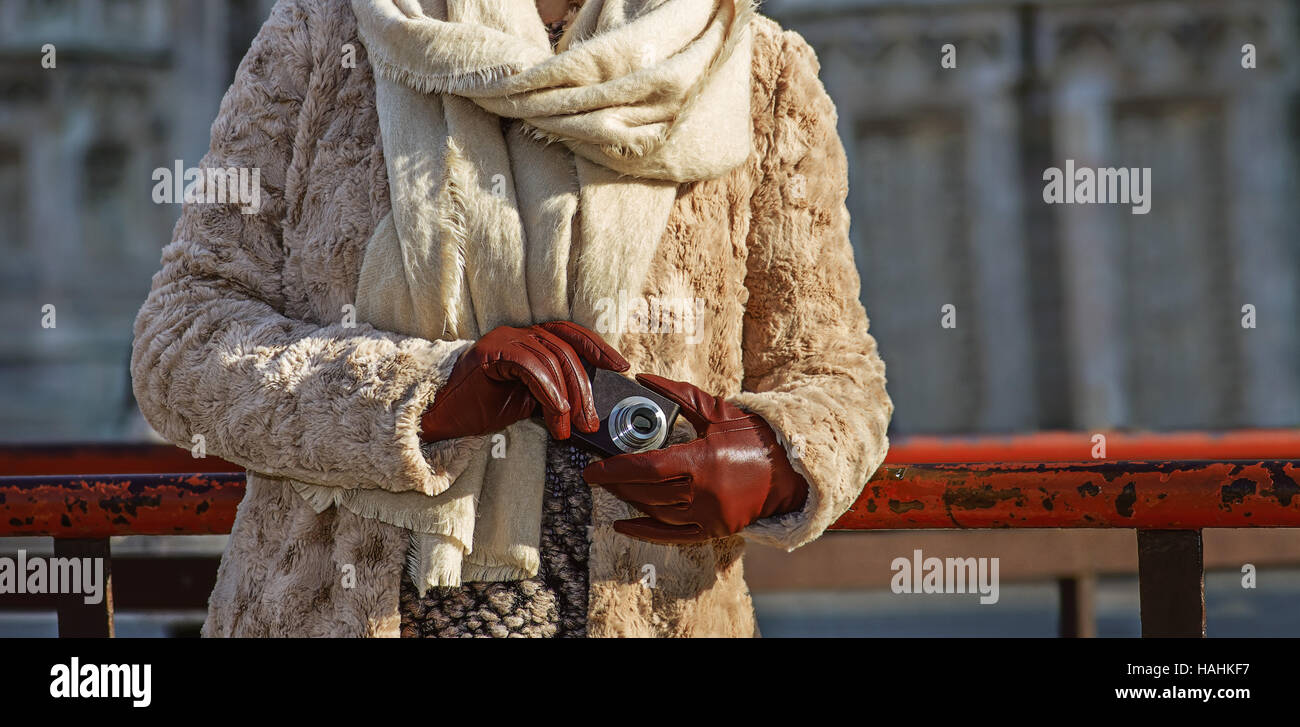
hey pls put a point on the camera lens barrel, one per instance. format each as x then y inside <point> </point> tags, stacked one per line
<point>637,424</point>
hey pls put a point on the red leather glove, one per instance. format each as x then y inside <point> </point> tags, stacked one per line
<point>733,474</point>
<point>508,373</point>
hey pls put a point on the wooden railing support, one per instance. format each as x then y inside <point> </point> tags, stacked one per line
<point>78,619</point>
<point>1171,581</point>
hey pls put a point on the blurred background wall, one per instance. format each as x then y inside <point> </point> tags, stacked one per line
<point>1067,316</point>
<point>1072,316</point>
<point>135,87</point>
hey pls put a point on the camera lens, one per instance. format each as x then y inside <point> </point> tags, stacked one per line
<point>637,424</point>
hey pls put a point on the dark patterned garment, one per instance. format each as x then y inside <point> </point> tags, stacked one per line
<point>554,604</point>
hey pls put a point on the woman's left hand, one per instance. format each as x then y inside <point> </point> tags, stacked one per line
<point>734,473</point>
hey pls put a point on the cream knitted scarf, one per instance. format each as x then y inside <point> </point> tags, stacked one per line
<point>498,225</point>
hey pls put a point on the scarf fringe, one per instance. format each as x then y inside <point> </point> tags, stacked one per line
<point>419,520</point>
<point>619,151</point>
<point>425,570</point>
<point>429,83</point>
<point>521,563</point>
<point>474,572</point>
<point>440,572</point>
<point>453,221</point>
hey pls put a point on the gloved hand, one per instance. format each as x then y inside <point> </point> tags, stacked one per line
<point>734,473</point>
<point>508,373</point>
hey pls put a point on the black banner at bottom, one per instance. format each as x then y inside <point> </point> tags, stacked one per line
<point>840,679</point>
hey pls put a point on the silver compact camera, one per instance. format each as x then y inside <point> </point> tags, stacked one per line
<point>632,417</point>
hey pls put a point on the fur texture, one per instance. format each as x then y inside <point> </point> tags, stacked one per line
<point>242,341</point>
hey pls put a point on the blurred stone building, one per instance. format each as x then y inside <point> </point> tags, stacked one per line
<point>1072,316</point>
<point>134,86</point>
<point>1067,316</point>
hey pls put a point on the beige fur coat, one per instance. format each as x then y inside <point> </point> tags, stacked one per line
<point>248,340</point>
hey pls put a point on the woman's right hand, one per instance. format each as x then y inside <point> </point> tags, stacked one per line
<point>510,372</point>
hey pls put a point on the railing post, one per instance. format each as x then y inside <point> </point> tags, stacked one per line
<point>1076,612</point>
<point>78,619</point>
<point>1171,581</point>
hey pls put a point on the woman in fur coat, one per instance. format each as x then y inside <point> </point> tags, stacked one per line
<point>465,205</point>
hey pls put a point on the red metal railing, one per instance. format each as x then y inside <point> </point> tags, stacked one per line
<point>1167,486</point>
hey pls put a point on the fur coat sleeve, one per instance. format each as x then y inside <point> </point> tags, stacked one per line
<point>217,362</point>
<point>811,369</point>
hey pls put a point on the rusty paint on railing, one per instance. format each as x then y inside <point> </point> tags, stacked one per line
<point>1256,444</point>
<point>1163,495</point>
<point>101,506</point>
<point>1147,495</point>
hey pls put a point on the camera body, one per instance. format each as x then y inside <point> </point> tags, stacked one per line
<point>632,417</point>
